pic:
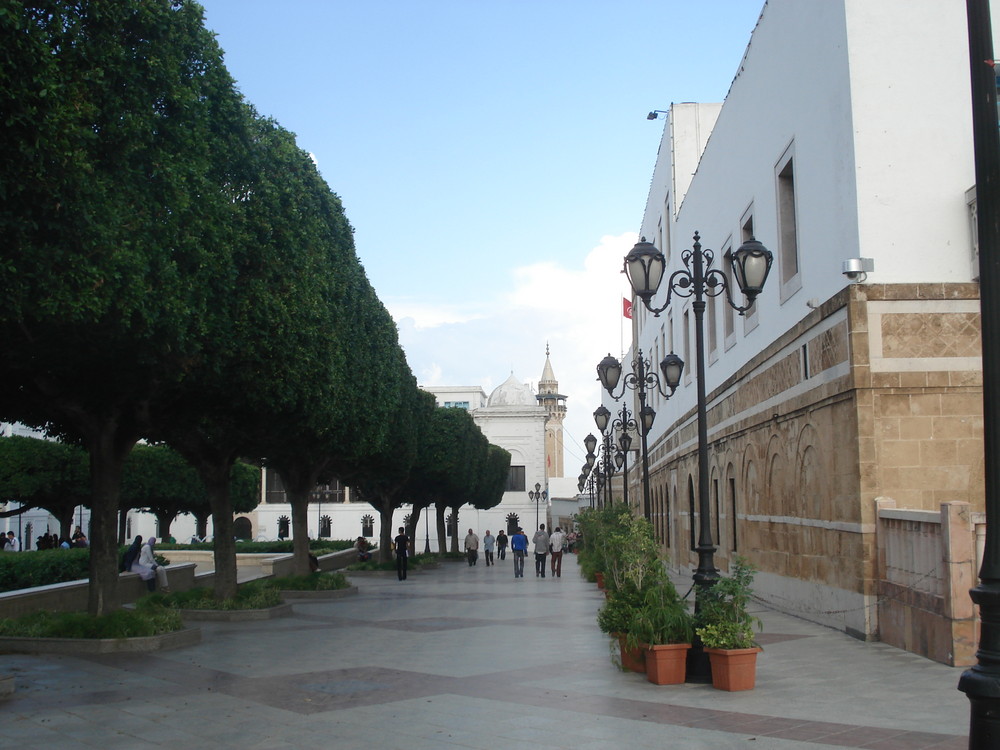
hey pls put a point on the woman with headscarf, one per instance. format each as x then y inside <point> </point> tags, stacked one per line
<point>150,568</point>
<point>131,555</point>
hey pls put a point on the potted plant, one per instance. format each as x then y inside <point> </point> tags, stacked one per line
<point>664,627</point>
<point>617,618</point>
<point>726,628</point>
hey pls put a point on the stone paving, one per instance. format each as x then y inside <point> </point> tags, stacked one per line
<point>469,657</point>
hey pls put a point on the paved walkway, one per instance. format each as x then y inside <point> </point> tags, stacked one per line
<point>463,657</point>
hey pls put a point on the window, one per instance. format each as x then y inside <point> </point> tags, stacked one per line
<point>325,525</point>
<point>788,246</point>
<point>456,405</point>
<point>515,479</point>
<point>284,524</point>
<point>728,313</point>
<point>274,490</point>
<point>367,525</point>
<point>687,346</point>
<point>732,514</point>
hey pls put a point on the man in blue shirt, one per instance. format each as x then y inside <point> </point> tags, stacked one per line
<point>519,547</point>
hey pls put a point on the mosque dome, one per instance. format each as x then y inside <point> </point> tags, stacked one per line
<point>512,393</point>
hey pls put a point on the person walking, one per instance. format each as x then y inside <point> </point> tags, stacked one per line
<point>489,542</point>
<point>402,543</point>
<point>13,543</point>
<point>556,542</point>
<point>501,545</point>
<point>472,547</point>
<point>519,548</point>
<point>541,542</point>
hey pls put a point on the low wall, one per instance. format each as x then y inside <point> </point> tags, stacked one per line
<point>71,596</point>
<point>927,562</point>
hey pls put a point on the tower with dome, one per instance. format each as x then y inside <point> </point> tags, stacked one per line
<point>526,424</point>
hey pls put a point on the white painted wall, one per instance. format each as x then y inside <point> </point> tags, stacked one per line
<point>873,100</point>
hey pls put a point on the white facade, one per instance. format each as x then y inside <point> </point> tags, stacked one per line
<point>870,127</point>
<point>512,419</point>
<point>839,138</point>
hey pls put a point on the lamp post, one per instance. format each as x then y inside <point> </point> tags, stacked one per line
<point>641,379</point>
<point>602,418</point>
<point>538,495</point>
<point>981,682</point>
<point>645,267</point>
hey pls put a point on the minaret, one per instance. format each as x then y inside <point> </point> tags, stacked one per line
<point>555,406</point>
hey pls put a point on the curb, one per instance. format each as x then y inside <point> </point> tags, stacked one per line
<point>76,646</point>
<point>237,615</point>
<point>320,595</point>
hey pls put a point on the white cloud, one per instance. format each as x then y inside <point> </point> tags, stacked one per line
<point>576,311</point>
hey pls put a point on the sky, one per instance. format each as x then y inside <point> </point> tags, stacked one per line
<point>493,157</point>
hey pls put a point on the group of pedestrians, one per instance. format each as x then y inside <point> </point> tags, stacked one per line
<point>545,546</point>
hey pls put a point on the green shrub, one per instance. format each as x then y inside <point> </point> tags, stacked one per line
<point>724,619</point>
<point>24,570</point>
<point>249,596</point>
<point>122,623</point>
<point>313,582</point>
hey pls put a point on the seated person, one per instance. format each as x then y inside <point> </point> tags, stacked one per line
<point>363,548</point>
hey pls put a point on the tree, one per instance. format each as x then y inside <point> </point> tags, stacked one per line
<point>114,221</point>
<point>383,475</point>
<point>44,474</point>
<point>157,479</point>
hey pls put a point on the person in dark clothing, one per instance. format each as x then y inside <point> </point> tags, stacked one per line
<point>131,555</point>
<point>402,542</point>
<point>501,545</point>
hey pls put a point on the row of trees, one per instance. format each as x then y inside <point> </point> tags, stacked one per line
<point>175,269</point>
<point>55,477</point>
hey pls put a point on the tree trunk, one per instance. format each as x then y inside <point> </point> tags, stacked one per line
<point>165,520</point>
<point>454,530</point>
<point>441,530</point>
<point>299,483</point>
<point>108,448</point>
<point>201,524</point>
<point>216,479</point>
<point>386,533</point>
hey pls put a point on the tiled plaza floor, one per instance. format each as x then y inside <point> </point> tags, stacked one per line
<point>462,657</point>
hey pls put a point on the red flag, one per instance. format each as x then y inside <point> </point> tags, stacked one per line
<point>627,308</point>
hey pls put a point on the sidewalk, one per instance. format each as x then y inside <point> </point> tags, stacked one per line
<point>469,657</point>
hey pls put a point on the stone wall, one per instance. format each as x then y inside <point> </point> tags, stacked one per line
<point>877,393</point>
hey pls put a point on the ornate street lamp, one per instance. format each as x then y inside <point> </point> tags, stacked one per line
<point>537,496</point>
<point>602,418</point>
<point>642,379</point>
<point>645,267</point>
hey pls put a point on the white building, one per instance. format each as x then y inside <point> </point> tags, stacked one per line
<point>838,140</point>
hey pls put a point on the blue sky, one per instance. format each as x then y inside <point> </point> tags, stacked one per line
<point>493,157</point>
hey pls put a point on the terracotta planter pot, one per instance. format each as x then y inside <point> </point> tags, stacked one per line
<point>667,664</point>
<point>633,659</point>
<point>600,580</point>
<point>733,669</point>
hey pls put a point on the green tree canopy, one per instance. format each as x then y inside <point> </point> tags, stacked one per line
<point>44,474</point>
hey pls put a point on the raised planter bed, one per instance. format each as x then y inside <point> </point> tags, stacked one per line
<point>237,615</point>
<point>320,595</point>
<point>75,646</point>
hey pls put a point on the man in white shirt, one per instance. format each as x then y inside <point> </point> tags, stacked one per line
<point>541,542</point>
<point>556,546</point>
<point>13,543</point>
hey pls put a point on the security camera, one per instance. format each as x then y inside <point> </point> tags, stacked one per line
<point>857,269</point>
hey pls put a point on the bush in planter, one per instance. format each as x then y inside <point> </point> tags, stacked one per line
<point>724,620</point>
<point>662,618</point>
<point>726,628</point>
<point>597,526</point>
